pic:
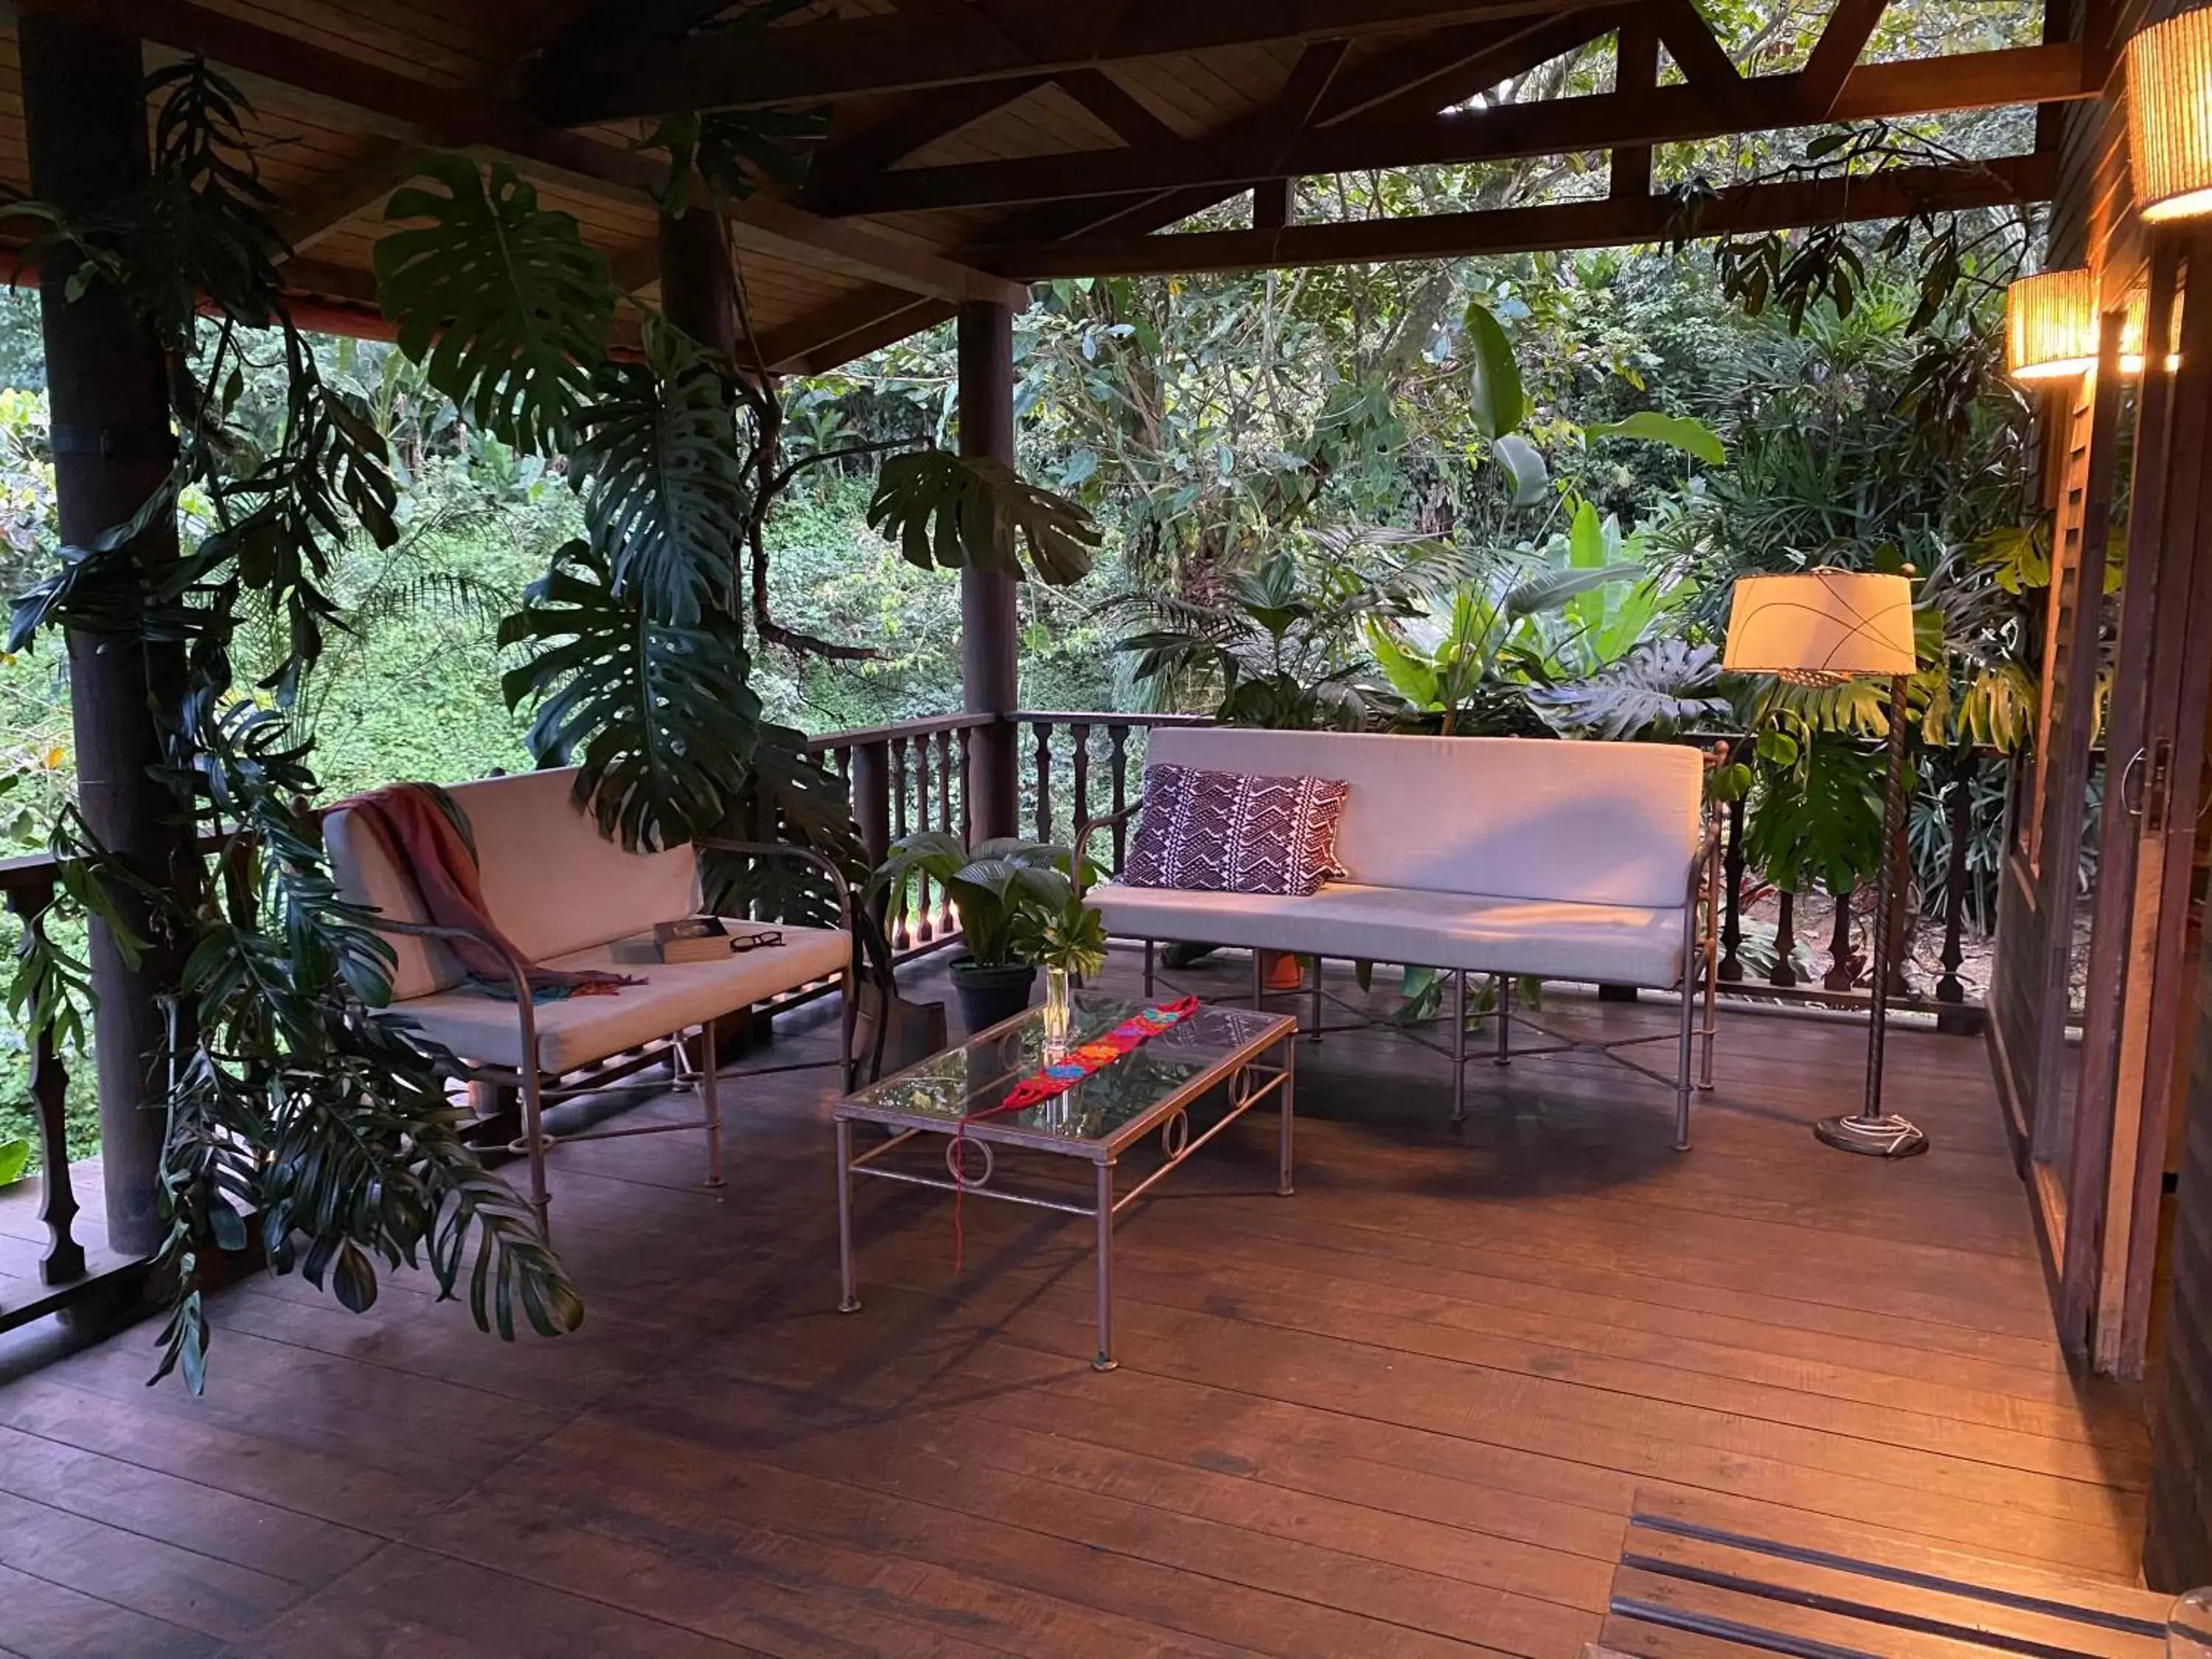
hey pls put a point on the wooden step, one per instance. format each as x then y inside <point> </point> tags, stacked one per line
<point>1699,1579</point>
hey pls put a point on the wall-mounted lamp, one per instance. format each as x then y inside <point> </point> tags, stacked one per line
<point>2170,117</point>
<point>2051,325</point>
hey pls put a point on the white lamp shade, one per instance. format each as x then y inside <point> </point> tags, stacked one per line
<point>1821,626</point>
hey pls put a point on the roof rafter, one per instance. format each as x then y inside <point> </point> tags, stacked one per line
<point>418,112</point>
<point>1606,223</point>
<point>946,42</point>
<point>1850,27</point>
<point>1439,70</point>
<point>2017,75</point>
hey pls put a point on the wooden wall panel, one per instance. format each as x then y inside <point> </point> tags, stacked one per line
<point>2177,1545</point>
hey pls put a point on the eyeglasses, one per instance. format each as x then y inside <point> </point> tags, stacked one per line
<point>741,943</point>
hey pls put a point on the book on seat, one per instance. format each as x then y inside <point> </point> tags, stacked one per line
<point>692,939</point>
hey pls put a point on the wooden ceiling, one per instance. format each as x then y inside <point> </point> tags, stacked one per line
<point>974,145</point>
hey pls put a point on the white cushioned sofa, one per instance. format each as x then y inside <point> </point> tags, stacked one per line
<point>1518,857</point>
<point>568,897</point>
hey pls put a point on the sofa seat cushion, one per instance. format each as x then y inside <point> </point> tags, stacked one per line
<point>1616,944</point>
<point>676,994</point>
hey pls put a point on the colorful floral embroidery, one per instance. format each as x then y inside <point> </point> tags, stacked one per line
<point>1062,1075</point>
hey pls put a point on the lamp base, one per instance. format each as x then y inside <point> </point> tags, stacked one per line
<point>1886,1136</point>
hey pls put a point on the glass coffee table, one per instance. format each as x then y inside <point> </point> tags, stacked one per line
<point>1151,1088</point>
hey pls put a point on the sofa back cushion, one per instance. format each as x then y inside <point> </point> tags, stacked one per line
<point>1231,832</point>
<point>552,883</point>
<point>1513,818</point>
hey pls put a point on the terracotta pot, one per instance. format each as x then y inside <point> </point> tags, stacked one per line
<point>1282,970</point>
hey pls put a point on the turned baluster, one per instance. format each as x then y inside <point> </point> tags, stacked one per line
<point>63,1260</point>
<point>967,784</point>
<point>1731,966</point>
<point>1044,780</point>
<point>1784,971</point>
<point>1119,735</point>
<point>899,937</point>
<point>1842,963</point>
<point>1950,988</point>
<point>1080,809</point>
<point>925,928</point>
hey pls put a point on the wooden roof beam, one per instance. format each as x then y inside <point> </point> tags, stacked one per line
<point>1850,27</point>
<point>418,112</point>
<point>2018,75</point>
<point>307,218</point>
<point>948,42</point>
<point>1884,194</point>
<point>918,123</point>
<point>1123,113</point>
<point>1440,70</point>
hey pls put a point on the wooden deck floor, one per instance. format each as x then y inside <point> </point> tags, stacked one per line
<point>1402,1412</point>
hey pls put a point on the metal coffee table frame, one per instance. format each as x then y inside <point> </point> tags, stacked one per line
<point>1249,1082</point>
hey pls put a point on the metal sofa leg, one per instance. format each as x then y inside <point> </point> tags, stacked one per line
<point>1258,981</point>
<point>847,1023</point>
<point>1712,1007</point>
<point>1148,968</point>
<point>1459,1045</point>
<point>1682,1061</point>
<point>710,1096</point>
<point>1504,1055</point>
<point>1313,1023</point>
<point>533,1138</point>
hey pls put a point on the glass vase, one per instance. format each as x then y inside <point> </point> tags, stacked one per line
<point>1059,1005</point>
<point>2189,1626</point>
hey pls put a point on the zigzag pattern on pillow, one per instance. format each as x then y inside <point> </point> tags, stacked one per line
<point>1228,832</point>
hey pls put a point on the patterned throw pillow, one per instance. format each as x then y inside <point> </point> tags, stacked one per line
<point>1228,832</point>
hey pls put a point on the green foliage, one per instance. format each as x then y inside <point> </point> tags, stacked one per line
<point>663,481</point>
<point>1679,431</point>
<point>952,511</point>
<point>498,298</point>
<point>1007,890</point>
<point>1071,939</point>
<point>656,715</point>
<point>1818,817</point>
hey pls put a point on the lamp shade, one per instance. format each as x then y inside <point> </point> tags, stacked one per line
<point>1821,626</point>
<point>2170,117</point>
<point>2051,325</point>
<point>2136,326</point>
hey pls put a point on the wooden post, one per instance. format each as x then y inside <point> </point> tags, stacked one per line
<point>989,676</point>
<point>84,111</point>
<point>698,290</point>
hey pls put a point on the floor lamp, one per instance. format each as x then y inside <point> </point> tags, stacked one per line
<point>1822,628</point>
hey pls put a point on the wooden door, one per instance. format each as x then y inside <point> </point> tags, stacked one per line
<point>2030,1000</point>
<point>2134,1055</point>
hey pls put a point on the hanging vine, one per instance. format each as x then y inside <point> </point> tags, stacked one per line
<point>300,1106</point>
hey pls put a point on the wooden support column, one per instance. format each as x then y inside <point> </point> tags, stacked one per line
<point>988,636</point>
<point>698,290</point>
<point>85,120</point>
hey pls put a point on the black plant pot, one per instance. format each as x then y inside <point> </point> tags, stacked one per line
<point>990,994</point>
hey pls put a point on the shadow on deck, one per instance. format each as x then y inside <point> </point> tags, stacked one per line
<point>1403,1411</point>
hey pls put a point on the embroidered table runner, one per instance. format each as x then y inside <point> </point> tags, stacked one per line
<point>1056,1078</point>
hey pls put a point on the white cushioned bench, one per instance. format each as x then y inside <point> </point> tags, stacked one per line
<point>1519,857</point>
<point>568,897</point>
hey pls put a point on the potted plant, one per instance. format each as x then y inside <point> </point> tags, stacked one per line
<point>1006,890</point>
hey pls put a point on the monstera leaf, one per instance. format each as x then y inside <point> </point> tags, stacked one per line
<point>499,299</point>
<point>657,714</point>
<point>663,481</point>
<point>791,797</point>
<point>1664,685</point>
<point>949,511</point>
<point>1819,819</point>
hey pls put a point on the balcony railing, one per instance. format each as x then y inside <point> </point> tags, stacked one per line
<point>1074,765</point>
